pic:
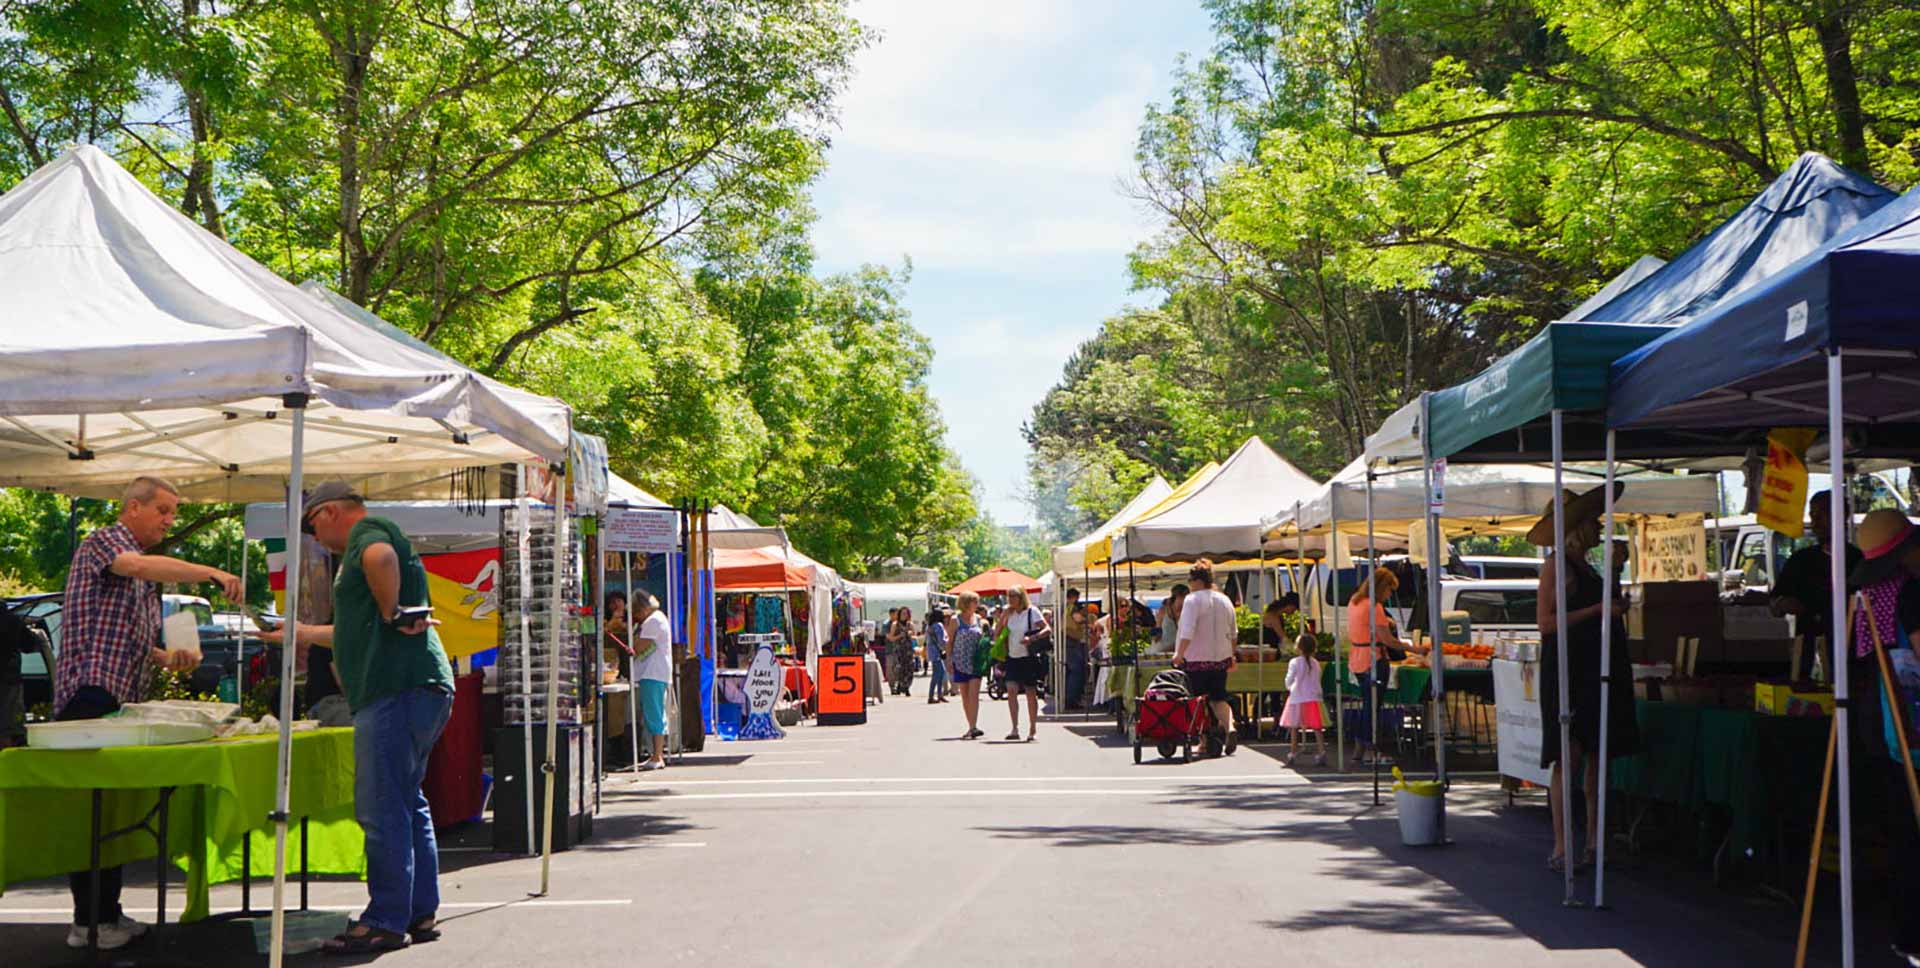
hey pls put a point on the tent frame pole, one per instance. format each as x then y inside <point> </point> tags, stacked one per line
<point>1373,640</point>
<point>1437,553</point>
<point>599,657</point>
<point>1329,592</point>
<point>240,649</point>
<point>289,648</point>
<point>549,775</point>
<point>524,540</point>
<point>1839,515</point>
<point>1607,593</point>
<point>1560,575</point>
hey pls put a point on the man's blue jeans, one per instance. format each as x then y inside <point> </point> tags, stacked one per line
<point>391,740</point>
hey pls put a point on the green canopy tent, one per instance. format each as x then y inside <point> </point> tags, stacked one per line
<point>1546,400</point>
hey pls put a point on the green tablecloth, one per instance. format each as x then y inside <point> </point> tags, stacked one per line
<point>1763,770</point>
<point>223,792</point>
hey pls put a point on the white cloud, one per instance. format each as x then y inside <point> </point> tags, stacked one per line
<point>987,141</point>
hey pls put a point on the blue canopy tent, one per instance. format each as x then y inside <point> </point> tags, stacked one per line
<point>1545,401</point>
<point>1835,339</point>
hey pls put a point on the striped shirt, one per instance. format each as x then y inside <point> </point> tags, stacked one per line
<point>109,623</point>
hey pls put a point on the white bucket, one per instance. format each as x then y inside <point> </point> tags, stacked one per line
<point>1423,817</point>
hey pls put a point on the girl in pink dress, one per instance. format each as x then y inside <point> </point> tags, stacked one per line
<point>1303,710</point>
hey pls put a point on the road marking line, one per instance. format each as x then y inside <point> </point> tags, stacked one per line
<point>1249,779</point>
<point>67,912</point>
<point>838,794</point>
<point>628,845</point>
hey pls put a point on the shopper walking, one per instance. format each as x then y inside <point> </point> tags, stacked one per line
<point>1076,647</point>
<point>1304,710</point>
<point>900,651</point>
<point>936,655</point>
<point>400,689</point>
<point>1026,629</point>
<point>1205,649</point>
<point>968,638</point>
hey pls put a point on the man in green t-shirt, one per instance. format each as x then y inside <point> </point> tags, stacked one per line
<point>400,688</point>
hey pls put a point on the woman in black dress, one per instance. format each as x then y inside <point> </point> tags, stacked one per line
<point>1583,588</point>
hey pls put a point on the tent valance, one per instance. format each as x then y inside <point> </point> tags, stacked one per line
<point>1221,518</point>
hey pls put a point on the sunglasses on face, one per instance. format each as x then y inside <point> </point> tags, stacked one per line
<point>306,522</point>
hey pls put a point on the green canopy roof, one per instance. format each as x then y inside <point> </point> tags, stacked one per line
<point>1562,368</point>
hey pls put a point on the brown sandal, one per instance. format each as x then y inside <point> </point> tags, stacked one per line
<point>362,939</point>
<point>424,929</point>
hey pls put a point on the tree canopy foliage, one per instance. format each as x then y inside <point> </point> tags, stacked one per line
<point>602,201</point>
<point>1362,199</point>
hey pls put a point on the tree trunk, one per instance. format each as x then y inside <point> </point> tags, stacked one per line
<point>352,55</point>
<point>200,202</point>
<point>1843,83</point>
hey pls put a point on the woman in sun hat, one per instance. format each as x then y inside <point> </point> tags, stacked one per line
<point>1583,587</point>
<point>1886,578</point>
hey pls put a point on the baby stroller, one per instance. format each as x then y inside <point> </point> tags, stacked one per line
<point>1170,716</point>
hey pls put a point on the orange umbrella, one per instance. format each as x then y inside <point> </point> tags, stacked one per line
<point>995,582</point>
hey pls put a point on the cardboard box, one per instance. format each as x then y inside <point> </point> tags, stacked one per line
<point>1783,699</point>
<point>1660,613</point>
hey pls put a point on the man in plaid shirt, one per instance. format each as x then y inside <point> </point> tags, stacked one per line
<point>109,642</point>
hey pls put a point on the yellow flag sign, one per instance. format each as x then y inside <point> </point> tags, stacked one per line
<point>1783,485</point>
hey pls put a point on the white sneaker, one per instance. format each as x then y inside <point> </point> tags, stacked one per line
<point>112,936</point>
<point>653,765</point>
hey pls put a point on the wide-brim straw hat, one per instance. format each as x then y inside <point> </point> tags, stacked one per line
<point>1881,536</point>
<point>1581,508</point>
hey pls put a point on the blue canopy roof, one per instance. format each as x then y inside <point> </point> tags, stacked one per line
<point>1814,200</point>
<point>1503,413</point>
<point>1757,359</point>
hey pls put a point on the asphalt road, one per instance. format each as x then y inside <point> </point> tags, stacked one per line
<point>894,843</point>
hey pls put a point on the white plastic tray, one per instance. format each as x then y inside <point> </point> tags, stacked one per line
<point>93,734</point>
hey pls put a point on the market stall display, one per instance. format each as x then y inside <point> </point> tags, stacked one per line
<point>260,384</point>
<point>1834,335</point>
<point>219,794</point>
<point>1551,391</point>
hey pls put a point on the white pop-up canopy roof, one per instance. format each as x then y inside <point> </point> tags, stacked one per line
<point>137,343</point>
<point>1069,560</point>
<point>1220,519</point>
<point>134,342</point>
<point>1479,499</point>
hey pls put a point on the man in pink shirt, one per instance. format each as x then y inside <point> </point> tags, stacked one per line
<point>1205,651</point>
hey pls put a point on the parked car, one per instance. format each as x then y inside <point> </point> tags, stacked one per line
<point>220,646</point>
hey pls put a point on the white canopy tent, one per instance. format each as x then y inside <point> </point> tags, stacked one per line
<point>137,343</point>
<point>140,344</point>
<point>1480,499</point>
<point>1069,560</point>
<point>1221,518</point>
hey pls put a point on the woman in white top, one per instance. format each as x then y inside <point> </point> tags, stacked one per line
<point>1205,649</point>
<point>1170,619</point>
<point>1025,626</point>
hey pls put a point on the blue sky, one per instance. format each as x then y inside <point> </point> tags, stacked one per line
<point>987,141</point>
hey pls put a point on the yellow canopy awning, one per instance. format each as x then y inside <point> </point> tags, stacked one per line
<point>1100,550</point>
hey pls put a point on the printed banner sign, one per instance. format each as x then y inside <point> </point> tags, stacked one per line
<point>651,532</point>
<point>1437,498</point>
<point>1783,485</point>
<point>1518,730</point>
<point>1673,548</point>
